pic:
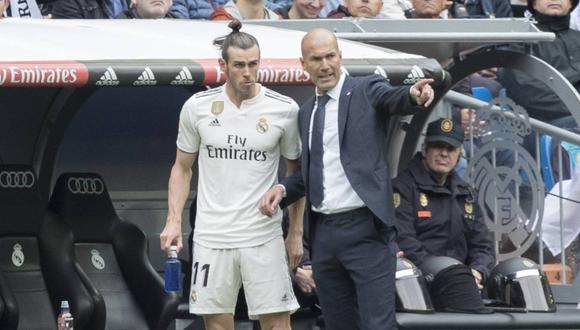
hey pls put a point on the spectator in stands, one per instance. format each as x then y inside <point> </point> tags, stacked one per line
<point>301,9</point>
<point>149,9</point>
<point>79,9</point>
<point>481,9</point>
<point>563,54</point>
<point>244,9</point>
<point>358,8</point>
<point>196,9</point>
<point>428,8</point>
<point>436,211</point>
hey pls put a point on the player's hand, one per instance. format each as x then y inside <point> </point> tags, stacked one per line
<point>478,278</point>
<point>305,280</point>
<point>422,92</point>
<point>171,235</point>
<point>271,200</point>
<point>294,250</point>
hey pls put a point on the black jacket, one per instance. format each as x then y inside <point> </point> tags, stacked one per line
<point>435,220</point>
<point>78,9</point>
<point>563,54</point>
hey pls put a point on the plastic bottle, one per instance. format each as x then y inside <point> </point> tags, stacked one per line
<point>65,319</point>
<point>172,270</point>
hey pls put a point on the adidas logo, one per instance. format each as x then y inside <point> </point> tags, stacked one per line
<point>381,72</point>
<point>183,78</point>
<point>215,123</point>
<point>415,75</point>
<point>147,78</point>
<point>109,78</point>
<point>284,297</point>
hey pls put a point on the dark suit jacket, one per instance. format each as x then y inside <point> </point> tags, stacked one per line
<point>365,104</point>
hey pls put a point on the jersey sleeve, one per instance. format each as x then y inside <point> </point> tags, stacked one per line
<point>188,139</point>
<point>290,146</point>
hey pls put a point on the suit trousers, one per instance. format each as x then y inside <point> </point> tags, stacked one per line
<point>354,269</point>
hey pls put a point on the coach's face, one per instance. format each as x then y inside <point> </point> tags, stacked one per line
<point>322,59</point>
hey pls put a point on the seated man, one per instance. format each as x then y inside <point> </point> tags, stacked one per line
<point>148,9</point>
<point>243,10</point>
<point>436,211</point>
<point>358,8</point>
<point>301,9</point>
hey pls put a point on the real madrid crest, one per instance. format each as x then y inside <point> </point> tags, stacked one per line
<point>468,208</point>
<point>396,200</point>
<point>423,199</point>
<point>217,107</point>
<point>262,125</point>
<point>446,125</point>
<point>193,296</point>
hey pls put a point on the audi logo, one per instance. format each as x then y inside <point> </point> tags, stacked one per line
<point>16,179</point>
<point>84,186</point>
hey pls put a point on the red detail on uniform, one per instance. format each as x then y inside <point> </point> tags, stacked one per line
<point>43,74</point>
<point>424,214</point>
<point>271,72</point>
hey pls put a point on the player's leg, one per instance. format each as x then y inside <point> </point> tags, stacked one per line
<point>215,283</point>
<point>275,321</point>
<point>267,284</point>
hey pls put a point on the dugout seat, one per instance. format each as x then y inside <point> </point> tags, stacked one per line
<point>37,270</point>
<point>112,254</point>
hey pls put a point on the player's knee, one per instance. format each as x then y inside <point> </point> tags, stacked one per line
<point>279,321</point>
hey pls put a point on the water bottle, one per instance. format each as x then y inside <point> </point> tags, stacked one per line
<point>65,319</point>
<point>172,270</point>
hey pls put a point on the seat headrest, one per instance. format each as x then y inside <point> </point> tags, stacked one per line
<point>21,205</point>
<point>81,195</point>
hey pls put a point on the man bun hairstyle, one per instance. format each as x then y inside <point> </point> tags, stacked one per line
<point>236,38</point>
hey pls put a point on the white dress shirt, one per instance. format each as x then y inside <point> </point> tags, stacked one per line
<point>339,196</point>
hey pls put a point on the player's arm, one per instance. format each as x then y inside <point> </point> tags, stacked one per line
<point>179,185</point>
<point>293,242</point>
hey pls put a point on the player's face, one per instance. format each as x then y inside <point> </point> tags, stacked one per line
<point>242,70</point>
<point>322,59</point>
<point>553,7</point>
<point>440,157</point>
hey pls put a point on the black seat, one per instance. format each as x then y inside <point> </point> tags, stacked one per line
<point>36,269</point>
<point>113,255</point>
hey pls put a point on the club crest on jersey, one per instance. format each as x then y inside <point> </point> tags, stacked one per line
<point>262,125</point>
<point>217,107</point>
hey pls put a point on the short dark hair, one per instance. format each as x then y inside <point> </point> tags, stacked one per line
<point>236,38</point>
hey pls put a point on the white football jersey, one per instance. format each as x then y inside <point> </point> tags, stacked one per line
<point>238,150</point>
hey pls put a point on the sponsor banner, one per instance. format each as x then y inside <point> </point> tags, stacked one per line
<point>103,74</point>
<point>398,71</point>
<point>271,72</point>
<point>43,74</point>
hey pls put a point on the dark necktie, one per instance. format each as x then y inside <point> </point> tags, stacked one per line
<point>316,153</point>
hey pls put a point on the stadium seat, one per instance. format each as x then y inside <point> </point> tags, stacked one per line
<point>36,267</point>
<point>113,255</point>
<point>548,160</point>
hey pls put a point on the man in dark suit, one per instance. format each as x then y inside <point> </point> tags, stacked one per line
<point>346,180</point>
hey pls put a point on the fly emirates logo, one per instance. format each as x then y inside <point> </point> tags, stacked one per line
<point>236,149</point>
<point>34,75</point>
